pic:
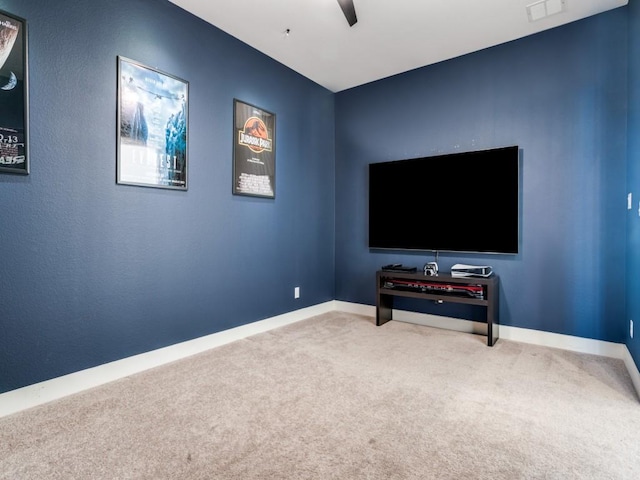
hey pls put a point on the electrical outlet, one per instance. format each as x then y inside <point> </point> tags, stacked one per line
<point>631,328</point>
<point>296,292</point>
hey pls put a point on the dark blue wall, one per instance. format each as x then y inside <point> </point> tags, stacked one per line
<point>561,96</point>
<point>92,271</point>
<point>633,184</point>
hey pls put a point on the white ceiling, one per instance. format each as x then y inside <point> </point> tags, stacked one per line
<point>391,36</point>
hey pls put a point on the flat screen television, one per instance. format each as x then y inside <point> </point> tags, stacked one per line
<point>459,202</point>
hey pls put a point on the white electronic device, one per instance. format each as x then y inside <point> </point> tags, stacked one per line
<point>462,270</point>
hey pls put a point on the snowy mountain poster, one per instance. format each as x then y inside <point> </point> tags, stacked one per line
<point>152,127</point>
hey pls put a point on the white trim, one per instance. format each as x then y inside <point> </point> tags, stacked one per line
<point>516,334</point>
<point>355,308</point>
<point>565,342</point>
<point>47,391</point>
<point>440,321</point>
<point>632,368</point>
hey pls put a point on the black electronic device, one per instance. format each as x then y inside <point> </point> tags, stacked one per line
<point>391,265</point>
<point>398,267</point>
<point>459,202</point>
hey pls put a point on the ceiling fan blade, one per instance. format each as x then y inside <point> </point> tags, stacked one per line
<point>349,11</point>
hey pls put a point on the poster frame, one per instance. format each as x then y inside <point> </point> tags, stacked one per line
<point>13,135</point>
<point>261,158</point>
<point>155,173</point>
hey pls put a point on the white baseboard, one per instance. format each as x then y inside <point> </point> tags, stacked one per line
<point>355,308</point>
<point>565,342</point>
<point>47,391</point>
<point>632,368</point>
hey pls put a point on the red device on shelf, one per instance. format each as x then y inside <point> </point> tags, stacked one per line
<point>474,291</point>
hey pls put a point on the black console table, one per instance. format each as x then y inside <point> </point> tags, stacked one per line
<point>440,288</point>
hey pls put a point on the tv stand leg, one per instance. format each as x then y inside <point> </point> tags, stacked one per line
<point>384,309</point>
<point>492,321</point>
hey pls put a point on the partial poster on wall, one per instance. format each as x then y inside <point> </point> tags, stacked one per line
<point>254,151</point>
<point>153,124</point>
<point>14,108</point>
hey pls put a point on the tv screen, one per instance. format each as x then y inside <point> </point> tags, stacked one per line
<point>460,202</point>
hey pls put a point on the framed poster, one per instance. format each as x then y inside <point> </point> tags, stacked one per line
<point>153,122</point>
<point>14,109</point>
<point>254,151</point>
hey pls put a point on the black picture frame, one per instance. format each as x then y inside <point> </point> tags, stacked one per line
<point>254,150</point>
<point>14,95</point>
<point>153,127</point>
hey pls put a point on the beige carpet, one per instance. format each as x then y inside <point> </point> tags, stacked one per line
<point>335,397</point>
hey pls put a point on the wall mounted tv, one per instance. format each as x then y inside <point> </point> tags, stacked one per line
<point>460,202</point>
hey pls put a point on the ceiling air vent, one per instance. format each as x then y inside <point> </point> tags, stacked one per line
<point>545,8</point>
